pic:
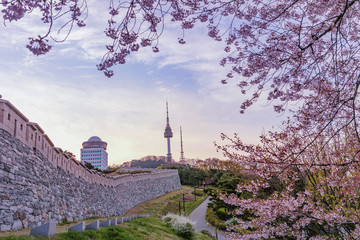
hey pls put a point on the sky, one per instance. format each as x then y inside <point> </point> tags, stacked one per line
<point>71,100</point>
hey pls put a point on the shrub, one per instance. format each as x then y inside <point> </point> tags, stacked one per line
<point>185,230</point>
<point>167,219</point>
<point>231,221</point>
<point>221,214</point>
<point>207,233</point>
<point>181,225</point>
<point>213,220</point>
<point>198,193</point>
<point>110,170</point>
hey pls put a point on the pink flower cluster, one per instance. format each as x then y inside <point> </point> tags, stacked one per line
<point>38,46</point>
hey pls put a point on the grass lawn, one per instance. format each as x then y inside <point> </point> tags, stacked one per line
<point>148,206</point>
<point>173,204</point>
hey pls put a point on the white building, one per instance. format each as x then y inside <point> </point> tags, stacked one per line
<point>94,152</point>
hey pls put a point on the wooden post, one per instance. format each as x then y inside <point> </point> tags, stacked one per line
<point>184,201</point>
<point>195,192</point>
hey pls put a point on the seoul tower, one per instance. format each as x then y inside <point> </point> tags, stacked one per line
<point>168,134</point>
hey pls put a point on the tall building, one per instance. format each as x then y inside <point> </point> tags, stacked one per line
<point>182,158</point>
<point>94,152</point>
<point>168,134</point>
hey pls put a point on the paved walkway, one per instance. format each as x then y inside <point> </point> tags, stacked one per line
<point>198,216</point>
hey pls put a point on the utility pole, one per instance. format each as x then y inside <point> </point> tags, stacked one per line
<point>184,201</point>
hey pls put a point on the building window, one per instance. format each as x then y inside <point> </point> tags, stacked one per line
<point>9,116</point>
<point>21,127</point>
<point>32,136</point>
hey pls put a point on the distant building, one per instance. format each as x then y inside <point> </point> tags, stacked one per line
<point>94,152</point>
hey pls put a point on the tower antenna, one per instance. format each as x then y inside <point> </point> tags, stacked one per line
<point>182,158</point>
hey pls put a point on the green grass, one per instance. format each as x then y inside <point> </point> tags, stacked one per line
<point>172,205</point>
<point>189,205</point>
<point>151,228</point>
<point>148,206</point>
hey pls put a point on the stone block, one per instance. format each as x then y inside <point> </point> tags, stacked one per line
<point>2,207</point>
<point>94,225</point>
<point>125,219</point>
<point>17,225</point>
<point>4,227</point>
<point>47,229</point>
<point>120,220</point>
<point>25,223</point>
<point>105,223</point>
<point>80,227</point>
<point>113,221</point>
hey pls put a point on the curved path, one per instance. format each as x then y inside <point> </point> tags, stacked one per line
<point>198,216</point>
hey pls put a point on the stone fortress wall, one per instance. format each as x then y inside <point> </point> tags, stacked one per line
<point>41,182</point>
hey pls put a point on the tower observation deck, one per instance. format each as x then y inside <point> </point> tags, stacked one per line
<point>168,134</point>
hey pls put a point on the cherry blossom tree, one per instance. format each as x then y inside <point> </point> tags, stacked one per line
<point>298,52</point>
<point>304,51</point>
<point>310,181</point>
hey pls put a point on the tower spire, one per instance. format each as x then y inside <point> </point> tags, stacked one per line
<point>167,114</point>
<point>168,133</point>
<point>182,158</point>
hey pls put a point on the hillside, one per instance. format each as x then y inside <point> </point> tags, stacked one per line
<point>137,229</point>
